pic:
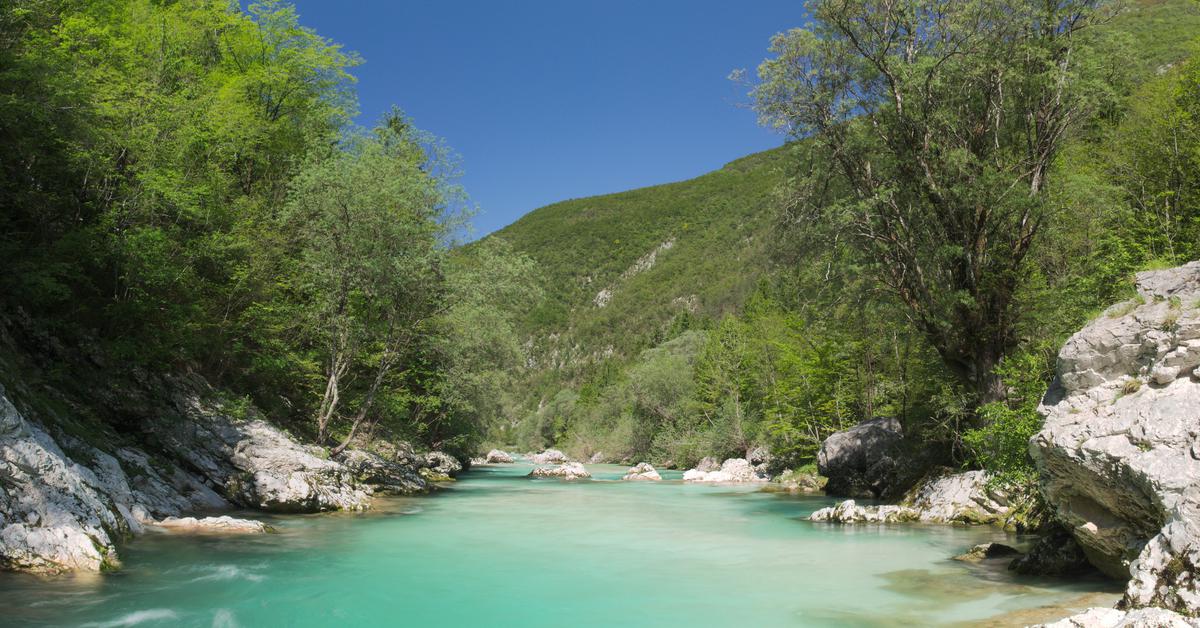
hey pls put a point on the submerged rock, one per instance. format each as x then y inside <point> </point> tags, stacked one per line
<point>864,461</point>
<point>1119,452</point>
<point>223,524</point>
<point>569,471</point>
<point>642,471</point>
<point>550,456</point>
<point>987,551</point>
<point>496,456</point>
<point>1055,554</point>
<point>732,470</point>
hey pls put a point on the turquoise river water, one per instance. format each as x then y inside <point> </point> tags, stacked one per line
<point>498,549</point>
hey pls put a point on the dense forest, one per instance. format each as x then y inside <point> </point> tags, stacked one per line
<point>182,186</point>
<point>963,187</point>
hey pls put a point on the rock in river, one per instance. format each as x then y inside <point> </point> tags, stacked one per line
<point>569,471</point>
<point>642,471</point>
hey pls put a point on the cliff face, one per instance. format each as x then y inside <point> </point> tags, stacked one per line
<point>1119,451</point>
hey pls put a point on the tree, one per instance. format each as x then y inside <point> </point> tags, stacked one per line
<point>929,128</point>
<point>370,230</point>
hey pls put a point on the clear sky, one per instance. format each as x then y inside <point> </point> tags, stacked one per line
<point>546,100</point>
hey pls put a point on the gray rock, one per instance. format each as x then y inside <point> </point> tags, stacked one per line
<point>496,456</point>
<point>54,515</point>
<point>850,512</point>
<point>708,463</point>
<point>382,475</point>
<point>442,463</point>
<point>761,459</point>
<point>861,461</point>
<point>642,471</point>
<point>942,498</point>
<point>1119,453</point>
<point>252,462</point>
<point>568,471</point>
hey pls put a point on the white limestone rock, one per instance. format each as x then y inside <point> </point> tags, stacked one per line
<point>569,471</point>
<point>550,456</point>
<point>733,470</point>
<point>1119,452</point>
<point>641,472</point>
<point>497,456</point>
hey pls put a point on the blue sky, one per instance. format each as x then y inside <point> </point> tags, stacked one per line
<point>546,100</point>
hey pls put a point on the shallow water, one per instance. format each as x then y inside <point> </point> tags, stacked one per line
<point>497,549</point>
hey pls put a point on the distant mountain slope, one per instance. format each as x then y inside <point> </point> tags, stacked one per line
<point>620,268</point>
<point>624,271</point>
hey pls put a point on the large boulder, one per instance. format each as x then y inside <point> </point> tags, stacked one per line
<point>252,462</point>
<point>642,471</point>
<point>1119,453</point>
<point>864,460</point>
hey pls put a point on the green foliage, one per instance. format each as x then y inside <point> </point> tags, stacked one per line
<point>1002,444</point>
<point>182,181</point>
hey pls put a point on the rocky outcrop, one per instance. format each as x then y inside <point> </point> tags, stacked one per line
<point>941,498</point>
<point>708,463</point>
<point>252,462</point>
<point>732,470</point>
<point>66,509</point>
<point>442,465</point>
<point>496,456</point>
<point>865,460</point>
<point>398,476</point>
<point>550,456</point>
<point>1113,618</point>
<point>642,471</point>
<point>1119,452</point>
<point>569,471</point>
<point>220,525</point>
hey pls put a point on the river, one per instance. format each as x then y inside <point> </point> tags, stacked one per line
<point>499,549</point>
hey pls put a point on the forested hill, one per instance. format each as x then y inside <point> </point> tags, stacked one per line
<point>690,319</point>
<point>621,269</point>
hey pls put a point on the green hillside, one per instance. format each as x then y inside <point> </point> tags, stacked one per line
<point>664,254</point>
